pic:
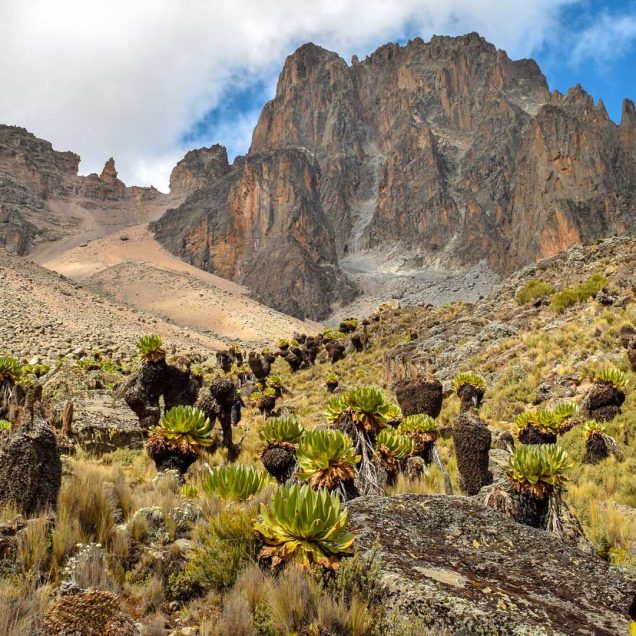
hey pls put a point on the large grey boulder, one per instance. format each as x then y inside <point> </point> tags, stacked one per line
<point>102,424</point>
<point>460,565</point>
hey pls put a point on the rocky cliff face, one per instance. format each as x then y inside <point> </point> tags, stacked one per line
<point>443,153</point>
<point>262,224</point>
<point>197,169</point>
<point>454,151</point>
<point>42,198</point>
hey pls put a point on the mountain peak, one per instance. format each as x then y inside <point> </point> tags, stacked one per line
<point>109,173</point>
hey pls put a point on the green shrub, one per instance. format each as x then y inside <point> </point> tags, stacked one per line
<point>420,423</point>
<point>394,444</point>
<point>150,348</point>
<point>566,411</point>
<point>533,289</point>
<point>542,419</point>
<point>468,378</point>
<point>367,408</point>
<point>326,458</point>
<point>614,376</point>
<point>10,369</point>
<point>38,370</point>
<point>236,482</point>
<point>579,293</point>
<point>187,425</point>
<point>592,427</point>
<point>305,526</point>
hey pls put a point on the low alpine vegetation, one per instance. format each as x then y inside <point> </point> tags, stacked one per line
<point>150,348</point>
<point>578,293</point>
<point>326,459</point>
<point>236,482</point>
<point>304,526</point>
<point>533,290</point>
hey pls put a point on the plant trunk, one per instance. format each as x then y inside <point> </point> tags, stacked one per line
<point>419,395</point>
<point>470,396</point>
<point>603,402</point>
<point>532,435</point>
<point>279,461</point>
<point>472,445</point>
<point>596,449</point>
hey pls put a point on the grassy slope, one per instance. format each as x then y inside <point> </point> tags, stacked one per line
<point>544,346</point>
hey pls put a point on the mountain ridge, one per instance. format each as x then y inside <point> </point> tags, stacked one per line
<point>443,153</point>
<point>362,180</point>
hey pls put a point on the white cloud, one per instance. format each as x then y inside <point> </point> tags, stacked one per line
<point>127,78</point>
<point>607,38</point>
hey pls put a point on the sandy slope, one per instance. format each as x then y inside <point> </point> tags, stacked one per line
<point>44,314</point>
<point>141,273</point>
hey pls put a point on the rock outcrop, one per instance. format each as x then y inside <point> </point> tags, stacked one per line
<point>43,199</point>
<point>444,153</point>
<point>90,613</point>
<point>197,169</point>
<point>457,564</point>
<point>263,225</point>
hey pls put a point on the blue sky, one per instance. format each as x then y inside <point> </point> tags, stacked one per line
<point>146,80</point>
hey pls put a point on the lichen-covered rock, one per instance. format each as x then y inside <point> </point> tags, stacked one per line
<point>30,468</point>
<point>88,613</point>
<point>460,565</point>
<point>102,424</point>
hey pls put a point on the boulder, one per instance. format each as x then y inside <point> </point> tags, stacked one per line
<point>30,468</point>
<point>102,424</point>
<point>89,613</point>
<point>459,565</point>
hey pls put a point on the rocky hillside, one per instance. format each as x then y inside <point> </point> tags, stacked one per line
<point>48,316</point>
<point>263,225</point>
<point>43,200</point>
<point>135,549</point>
<point>438,154</point>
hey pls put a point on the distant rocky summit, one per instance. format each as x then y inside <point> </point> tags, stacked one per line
<point>42,198</point>
<point>443,153</point>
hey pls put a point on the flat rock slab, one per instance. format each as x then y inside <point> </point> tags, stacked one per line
<point>102,423</point>
<point>460,565</point>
